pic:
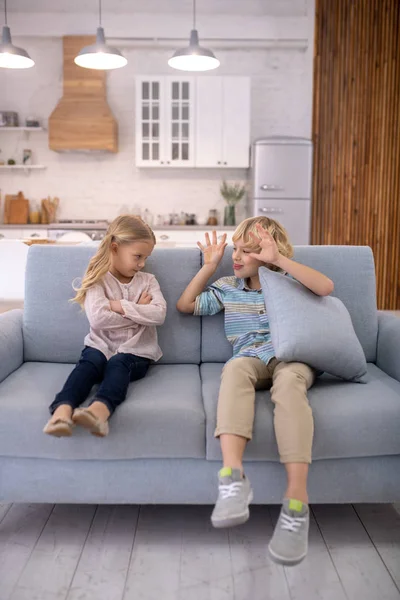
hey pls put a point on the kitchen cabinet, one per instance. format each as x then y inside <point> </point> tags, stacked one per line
<point>192,121</point>
<point>21,233</point>
<point>34,233</point>
<point>176,238</point>
<point>222,122</point>
<point>165,121</point>
<point>13,257</point>
<point>181,237</point>
<point>10,234</point>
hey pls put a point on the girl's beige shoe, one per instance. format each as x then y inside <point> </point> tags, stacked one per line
<point>85,418</point>
<point>59,427</point>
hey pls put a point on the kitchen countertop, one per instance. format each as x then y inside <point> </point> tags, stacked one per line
<point>103,225</point>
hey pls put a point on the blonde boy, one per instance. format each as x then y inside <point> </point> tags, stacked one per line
<point>258,241</point>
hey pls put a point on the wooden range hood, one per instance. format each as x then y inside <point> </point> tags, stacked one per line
<point>82,120</point>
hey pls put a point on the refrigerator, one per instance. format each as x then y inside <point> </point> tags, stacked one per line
<point>281,179</point>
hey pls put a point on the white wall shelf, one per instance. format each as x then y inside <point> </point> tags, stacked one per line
<point>26,132</point>
<point>27,169</point>
<point>26,129</point>
<point>23,167</point>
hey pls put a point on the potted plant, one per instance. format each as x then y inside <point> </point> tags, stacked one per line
<point>232,194</point>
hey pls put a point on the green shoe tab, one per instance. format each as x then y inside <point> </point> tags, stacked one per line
<point>225,472</point>
<point>295,505</point>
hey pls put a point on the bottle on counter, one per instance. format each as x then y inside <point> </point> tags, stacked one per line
<point>148,217</point>
<point>175,219</point>
<point>136,210</point>
<point>124,210</point>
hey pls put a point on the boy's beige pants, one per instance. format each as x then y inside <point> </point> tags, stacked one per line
<point>293,421</point>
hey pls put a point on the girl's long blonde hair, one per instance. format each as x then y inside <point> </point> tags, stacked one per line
<point>123,230</point>
<point>278,232</point>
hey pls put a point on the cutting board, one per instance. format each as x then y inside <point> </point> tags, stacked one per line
<point>17,210</point>
<point>7,202</point>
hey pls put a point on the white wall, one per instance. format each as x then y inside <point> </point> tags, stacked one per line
<point>97,186</point>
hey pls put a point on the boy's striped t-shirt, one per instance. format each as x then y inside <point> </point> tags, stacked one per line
<point>246,319</point>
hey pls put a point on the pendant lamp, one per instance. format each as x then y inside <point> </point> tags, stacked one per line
<point>194,57</point>
<point>100,56</point>
<point>12,57</point>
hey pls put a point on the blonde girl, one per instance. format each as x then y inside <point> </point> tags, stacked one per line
<point>123,305</point>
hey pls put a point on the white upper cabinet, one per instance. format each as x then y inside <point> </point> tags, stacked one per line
<point>164,121</point>
<point>209,122</point>
<point>150,131</point>
<point>236,122</point>
<point>180,121</point>
<point>223,122</point>
<point>193,121</point>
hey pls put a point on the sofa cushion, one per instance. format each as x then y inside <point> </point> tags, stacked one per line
<point>352,270</point>
<point>351,420</point>
<point>162,417</point>
<point>311,329</point>
<point>54,329</point>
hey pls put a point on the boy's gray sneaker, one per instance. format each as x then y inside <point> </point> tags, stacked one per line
<point>234,497</point>
<point>289,543</point>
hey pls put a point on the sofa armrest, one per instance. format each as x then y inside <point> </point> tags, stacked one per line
<point>388,351</point>
<point>11,342</point>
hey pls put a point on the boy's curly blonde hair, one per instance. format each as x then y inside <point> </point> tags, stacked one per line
<point>278,232</point>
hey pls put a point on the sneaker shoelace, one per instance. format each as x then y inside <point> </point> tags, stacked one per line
<point>229,490</point>
<point>291,523</point>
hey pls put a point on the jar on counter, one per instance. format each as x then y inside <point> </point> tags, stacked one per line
<point>212,217</point>
<point>34,213</point>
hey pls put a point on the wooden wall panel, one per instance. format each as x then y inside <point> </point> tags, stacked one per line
<point>356,133</point>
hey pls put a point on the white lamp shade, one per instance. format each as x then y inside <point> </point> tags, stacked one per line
<point>194,57</point>
<point>12,57</point>
<point>193,62</point>
<point>100,56</point>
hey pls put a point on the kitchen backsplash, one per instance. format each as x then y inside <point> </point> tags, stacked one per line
<point>100,185</point>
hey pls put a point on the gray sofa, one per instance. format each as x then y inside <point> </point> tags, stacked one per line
<point>161,447</point>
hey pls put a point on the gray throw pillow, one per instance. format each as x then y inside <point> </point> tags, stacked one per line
<point>315,330</point>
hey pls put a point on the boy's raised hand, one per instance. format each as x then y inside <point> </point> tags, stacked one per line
<point>213,251</point>
<point>269,250</point>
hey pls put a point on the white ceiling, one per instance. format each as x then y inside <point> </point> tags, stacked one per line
<point>291,8</point>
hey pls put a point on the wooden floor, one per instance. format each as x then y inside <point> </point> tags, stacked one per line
<point>83,552</point>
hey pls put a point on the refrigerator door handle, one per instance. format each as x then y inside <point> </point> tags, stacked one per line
<point>271,188</point>
<point>271,210</point>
